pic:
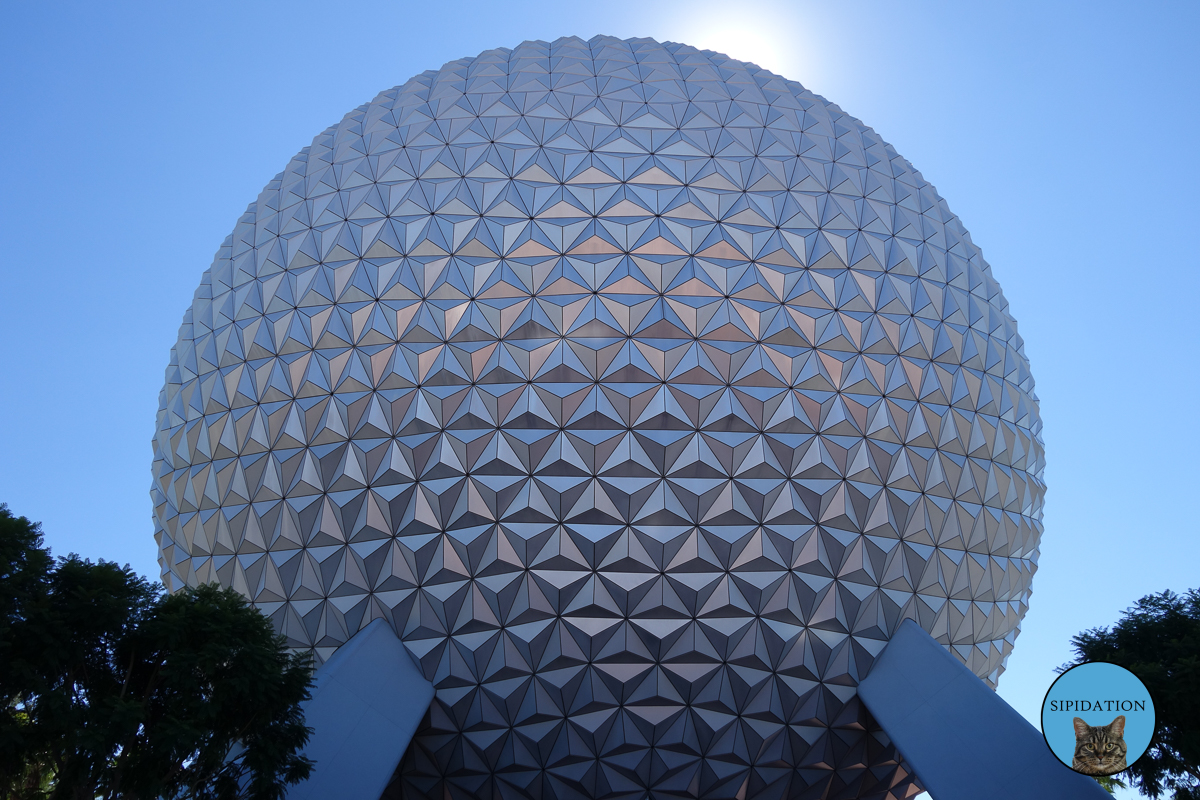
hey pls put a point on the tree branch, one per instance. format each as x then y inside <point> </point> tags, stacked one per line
<point>128,673</point>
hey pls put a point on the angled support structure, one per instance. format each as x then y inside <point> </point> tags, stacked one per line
<point>953,730</point>
<point>367,701</point>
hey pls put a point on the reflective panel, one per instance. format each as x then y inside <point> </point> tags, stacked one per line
<point>642,391</point>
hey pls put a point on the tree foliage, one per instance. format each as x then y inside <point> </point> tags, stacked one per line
<point>1158,640</point>
<point>110,688</point>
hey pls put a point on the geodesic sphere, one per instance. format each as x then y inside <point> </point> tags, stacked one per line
<point>642,391</point>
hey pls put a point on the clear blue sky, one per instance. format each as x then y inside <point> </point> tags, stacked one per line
<point>1063,134</point>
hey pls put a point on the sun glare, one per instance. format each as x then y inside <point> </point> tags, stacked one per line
<point>756,45</point>
<point>759,33</point>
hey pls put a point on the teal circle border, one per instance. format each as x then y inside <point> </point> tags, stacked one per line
<point>1153,711</point>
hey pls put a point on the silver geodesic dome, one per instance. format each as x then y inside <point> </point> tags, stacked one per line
<point>641,390</point>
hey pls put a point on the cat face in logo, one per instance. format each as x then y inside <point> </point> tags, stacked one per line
<point>1100,749</point>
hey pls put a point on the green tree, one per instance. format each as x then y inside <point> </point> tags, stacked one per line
<point>1158,640</point>
<point>110,688</point>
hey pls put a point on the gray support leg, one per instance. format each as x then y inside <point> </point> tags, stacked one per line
<point>961,739</point>
<point>367,702</point>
